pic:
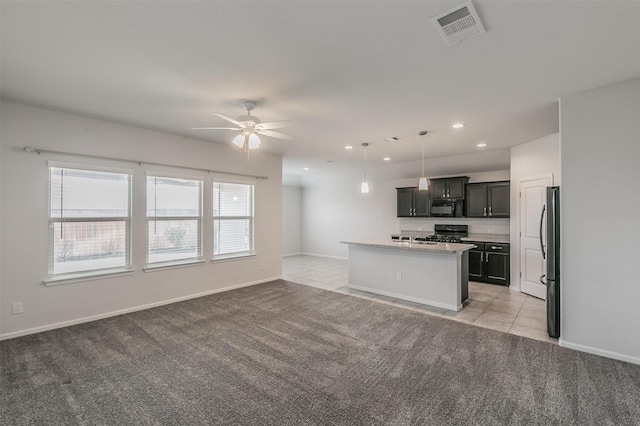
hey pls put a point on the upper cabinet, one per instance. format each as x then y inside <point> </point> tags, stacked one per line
<point>488,199</point>
<point>453,187</point>
<point>412,202</point>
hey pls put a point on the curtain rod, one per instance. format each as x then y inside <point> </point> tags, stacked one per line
<point>48,151</point>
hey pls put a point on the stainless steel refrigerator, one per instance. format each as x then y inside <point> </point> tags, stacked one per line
<point>552,278</point>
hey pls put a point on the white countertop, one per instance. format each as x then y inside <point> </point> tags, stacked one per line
<point>481,238</point>
<point>488,238</point>
<point>430,247</point>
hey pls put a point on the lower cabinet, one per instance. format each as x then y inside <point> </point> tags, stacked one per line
<point>489,263</point>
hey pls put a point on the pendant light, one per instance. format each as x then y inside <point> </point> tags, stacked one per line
<point>364,188</point>
<point>423,184</point>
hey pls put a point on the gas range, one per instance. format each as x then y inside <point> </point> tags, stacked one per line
<point>449,233</point>
<point>442,234</point>
<point>443,238</point>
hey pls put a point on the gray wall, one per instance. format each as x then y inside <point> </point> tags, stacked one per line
<point>600,219</point>
<point>24,213</point>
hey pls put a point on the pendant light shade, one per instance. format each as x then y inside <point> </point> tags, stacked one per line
<point>364,188</point>
<point>254,141</point>
<point>423,184</point>
<point>238,140</point>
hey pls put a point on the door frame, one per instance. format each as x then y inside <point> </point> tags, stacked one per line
<point>516,262</point>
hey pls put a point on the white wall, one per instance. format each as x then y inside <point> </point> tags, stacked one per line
<point>24,179</point>
<point>534,159</point>
<point>291,220</point>
<point>334,210</point>
<point>600,220</point>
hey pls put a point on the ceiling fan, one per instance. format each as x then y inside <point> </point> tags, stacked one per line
<point>250,127</point>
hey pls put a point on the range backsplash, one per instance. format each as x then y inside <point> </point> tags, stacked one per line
<point>476,226</point>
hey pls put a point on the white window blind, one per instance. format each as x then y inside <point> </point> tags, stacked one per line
<point>89,221</point>
<point>174,220</point>
<point>233,219</point>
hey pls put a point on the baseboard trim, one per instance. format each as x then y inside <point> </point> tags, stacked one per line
<point>292,254</point>
<point>325,255</point>
<point>63,324</point>
<point>600,352</point>
<point>405,297</point>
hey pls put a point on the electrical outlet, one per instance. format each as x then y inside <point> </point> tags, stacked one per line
<point>399,276</point>
<point>17,307</point>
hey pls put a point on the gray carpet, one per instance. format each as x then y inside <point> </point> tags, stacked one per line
<point>286,354</point>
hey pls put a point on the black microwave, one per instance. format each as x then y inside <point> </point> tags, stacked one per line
<point>447,208</point>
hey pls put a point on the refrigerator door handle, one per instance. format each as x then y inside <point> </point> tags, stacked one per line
<point>541,223</point>
<point>542,280</point>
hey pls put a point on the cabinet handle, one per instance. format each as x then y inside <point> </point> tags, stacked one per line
<point>496,248</point>
<point>489,210</point>
<point>448,193</point>
<point>444,192</point>
<point>485,211</point>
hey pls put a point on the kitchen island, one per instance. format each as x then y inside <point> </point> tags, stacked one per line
<point>430,273</point>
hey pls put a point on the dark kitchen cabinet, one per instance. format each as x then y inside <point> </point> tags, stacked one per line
<point>412,202</point>
<point>476,262</point>
<point>488,199</point>
<point>489,263</point>
<point>448,187</point>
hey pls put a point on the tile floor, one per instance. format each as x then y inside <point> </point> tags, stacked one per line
<point>489,306</point>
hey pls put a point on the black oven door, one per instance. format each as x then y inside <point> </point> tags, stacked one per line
<point>442,208</point>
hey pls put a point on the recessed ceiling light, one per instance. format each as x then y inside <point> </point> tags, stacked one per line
<point>348,147</point>
<point>458,125</point>
<point>387,158</point>
<point>306,168</point>
<point>481,145</point>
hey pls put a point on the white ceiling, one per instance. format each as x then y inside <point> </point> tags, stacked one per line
<point>346,72</point>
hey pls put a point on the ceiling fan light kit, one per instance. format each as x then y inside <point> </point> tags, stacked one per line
<point>250,127</point>
<point>247,139</point>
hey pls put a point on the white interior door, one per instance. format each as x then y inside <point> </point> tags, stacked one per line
<point>533,197</point>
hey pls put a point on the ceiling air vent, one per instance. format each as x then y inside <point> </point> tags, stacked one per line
<point>459,23</point>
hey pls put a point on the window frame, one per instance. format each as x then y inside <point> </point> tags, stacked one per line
<point>252,220</point>
<point>180,262</point>
<point>54,278</point>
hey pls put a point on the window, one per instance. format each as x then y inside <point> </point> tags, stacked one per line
<point>174,220</point>
<point>89,221</point>
<point>233,220</point>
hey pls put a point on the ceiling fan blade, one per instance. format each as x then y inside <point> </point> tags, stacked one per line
<point>232,120</point>
<point>215,128</point>
<point>273,134</point>
<point>274,125</point>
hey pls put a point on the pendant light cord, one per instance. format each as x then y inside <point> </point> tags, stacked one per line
<point>422,157</point>
<point>365,163</point>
